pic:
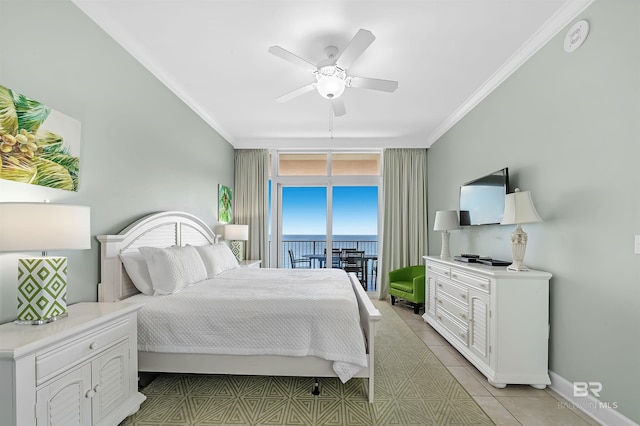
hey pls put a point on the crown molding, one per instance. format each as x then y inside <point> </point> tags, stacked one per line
<point>558,22</point>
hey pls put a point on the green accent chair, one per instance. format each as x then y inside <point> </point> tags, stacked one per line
<point>408,284</point>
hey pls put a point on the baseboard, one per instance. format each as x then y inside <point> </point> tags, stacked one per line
<point>601,412</point>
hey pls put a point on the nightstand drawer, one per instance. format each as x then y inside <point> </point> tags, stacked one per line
<point>89,344</point>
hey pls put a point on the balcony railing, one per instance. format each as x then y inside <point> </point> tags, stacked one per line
<point>301,248</point>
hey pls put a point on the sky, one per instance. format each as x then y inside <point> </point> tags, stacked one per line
<point>355,210</point>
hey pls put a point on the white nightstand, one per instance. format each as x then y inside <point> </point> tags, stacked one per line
<point>250,263</point>
<point>82,369</point>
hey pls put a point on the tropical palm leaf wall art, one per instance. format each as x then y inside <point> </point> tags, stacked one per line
<point>225,204</point>
<point>32,147</point>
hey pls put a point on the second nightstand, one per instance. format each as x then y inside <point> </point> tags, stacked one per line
<point>250,263</point>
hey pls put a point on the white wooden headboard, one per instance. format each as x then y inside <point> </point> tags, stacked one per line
<point>163,229</point>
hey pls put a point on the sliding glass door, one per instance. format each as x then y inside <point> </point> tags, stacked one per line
<point>325,204</point>
<point>303,225</point>
<point>354,214</point>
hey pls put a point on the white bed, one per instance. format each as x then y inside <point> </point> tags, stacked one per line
<point>167,229</point>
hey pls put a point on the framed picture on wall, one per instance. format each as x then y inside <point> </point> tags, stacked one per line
<point>38,145</point>
<point>225,204</point>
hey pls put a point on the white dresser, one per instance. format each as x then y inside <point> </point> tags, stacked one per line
<point>78,370</point>
<point>497,319</point>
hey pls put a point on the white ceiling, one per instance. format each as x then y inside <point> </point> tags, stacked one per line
<point>446,55</point>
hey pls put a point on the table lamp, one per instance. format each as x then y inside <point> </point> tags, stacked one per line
<point>519,208</point>
<point>446,220</point>
<point>42,281</point>
<point>237,234</point>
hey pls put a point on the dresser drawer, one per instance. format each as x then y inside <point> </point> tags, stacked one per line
<point>455,291</point>
<point>479,282</point>
<point>456,329</point>
<point>78,349</point>
<point>440,270</point>
<point>461,312</point>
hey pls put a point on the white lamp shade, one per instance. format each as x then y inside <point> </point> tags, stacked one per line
<point>446,220</point>
<point>44,226</point>
<point>236,232</point>
<point>519,208</point>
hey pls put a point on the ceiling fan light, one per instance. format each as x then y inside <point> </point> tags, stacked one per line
<point>330,86</point>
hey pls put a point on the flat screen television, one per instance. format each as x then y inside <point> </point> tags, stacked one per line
<point>482,199</point>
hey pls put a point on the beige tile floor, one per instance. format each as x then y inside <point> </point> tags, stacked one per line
<point>513,405</point>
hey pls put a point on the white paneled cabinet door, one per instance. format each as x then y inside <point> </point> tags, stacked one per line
<point>64,401</point>
<point>479,325</point>
<point>110,381</point>
<point>431,295</point>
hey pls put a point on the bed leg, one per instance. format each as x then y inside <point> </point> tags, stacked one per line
<point>316,387</point>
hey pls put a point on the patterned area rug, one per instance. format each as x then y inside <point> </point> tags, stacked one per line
<point>412,387</point>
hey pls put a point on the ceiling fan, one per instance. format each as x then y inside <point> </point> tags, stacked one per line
<point>331,74</point>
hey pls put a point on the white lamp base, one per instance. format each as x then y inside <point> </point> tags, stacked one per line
<point>518,248</point>
<point>237,248</point>
<point>444,253</point>
<point>42,289</point>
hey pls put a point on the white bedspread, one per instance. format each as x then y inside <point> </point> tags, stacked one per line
<point>251,311</point>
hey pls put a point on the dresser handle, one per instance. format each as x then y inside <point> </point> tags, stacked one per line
<point>440,301</point>
<point>439,285</point>
<point>463,296</point>
<point>90,394</point>
<point>93,346</point>
<point>463,316</point>
<point>439,317</point>
<point>97,388</point>
<point>463,335</point>
<point>454,275</point>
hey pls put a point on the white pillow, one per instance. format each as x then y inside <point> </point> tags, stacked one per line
<point>217,258</point>
<point>136,267</point>
<point>173,268</point>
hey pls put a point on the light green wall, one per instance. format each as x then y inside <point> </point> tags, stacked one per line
<point>143,150</point>
<point>568,128</point>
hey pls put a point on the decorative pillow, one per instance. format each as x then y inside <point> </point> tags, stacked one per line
<point>173,268</point>
<point>217,258</point>
<point>136,267</point>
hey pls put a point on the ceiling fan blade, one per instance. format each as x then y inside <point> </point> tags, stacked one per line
<point>355,48</point>
<point>373,84</point>
<point>338,107</point>
<point>295,93</point>
<point>290,57</point>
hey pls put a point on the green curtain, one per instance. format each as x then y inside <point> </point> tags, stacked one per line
<point>251,200</point>
<point>404,233</point>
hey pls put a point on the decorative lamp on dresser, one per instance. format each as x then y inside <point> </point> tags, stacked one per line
<point>497,319</point>
<point>79,370</point>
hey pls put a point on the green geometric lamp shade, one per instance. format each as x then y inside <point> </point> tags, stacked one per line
<point>42,289</point>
